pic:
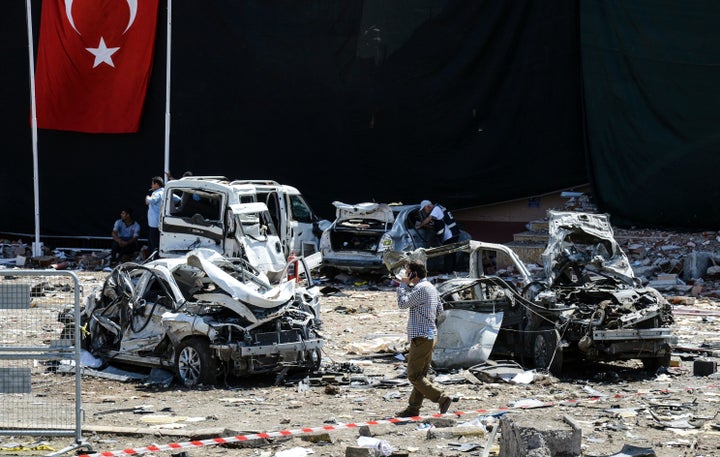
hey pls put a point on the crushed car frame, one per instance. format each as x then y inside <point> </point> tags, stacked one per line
<point>589,305</point>
<point>203,317</point>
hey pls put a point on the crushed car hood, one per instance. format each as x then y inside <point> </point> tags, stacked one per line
<point>276,296</point>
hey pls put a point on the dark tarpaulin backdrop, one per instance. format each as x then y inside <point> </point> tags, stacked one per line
<point>463,102</point>
<point>652,110</point>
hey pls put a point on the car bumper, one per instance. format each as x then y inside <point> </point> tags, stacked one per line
<point>635,343</point>
<point>354,263</point>
<point>238,350</point>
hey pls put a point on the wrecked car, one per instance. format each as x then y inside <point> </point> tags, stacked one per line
<point>202,317</point>
<point>587,305</point>
<point>363,232</point>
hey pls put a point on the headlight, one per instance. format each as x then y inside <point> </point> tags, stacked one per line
<point>386,243</point>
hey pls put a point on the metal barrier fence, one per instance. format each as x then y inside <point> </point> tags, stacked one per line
<point>39,334</point>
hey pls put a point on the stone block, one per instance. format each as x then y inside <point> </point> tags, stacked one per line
<point>320,437</point>
<point>455,432</point>
<point>357,451</point>
<point>704,367</point>
<point>535,436</point>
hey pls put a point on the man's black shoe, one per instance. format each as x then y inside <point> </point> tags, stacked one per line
<point>444,404</point>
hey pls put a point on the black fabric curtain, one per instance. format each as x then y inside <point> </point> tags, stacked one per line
<point>462,102</point>
<point>651,109</point>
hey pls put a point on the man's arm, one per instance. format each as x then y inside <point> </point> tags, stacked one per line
<point>403,295</point>
<point>136,233</point>
<point>118,240</point>
<point>154,197</point>
<point>409,298</point>
<point>425,221</point>
<point>436,214</point>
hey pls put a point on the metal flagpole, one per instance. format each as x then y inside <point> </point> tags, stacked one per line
<point>36,246</point>
<point>167,86</point>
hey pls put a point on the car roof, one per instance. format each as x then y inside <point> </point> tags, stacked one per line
<point>245,185</point>
<point>400,208</point>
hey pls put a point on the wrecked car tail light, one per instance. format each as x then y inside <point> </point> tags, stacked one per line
<point>386,243</point>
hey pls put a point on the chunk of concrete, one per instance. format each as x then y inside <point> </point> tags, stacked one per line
<point>357,451</point>
<point>319,437</point>
<point>532,436</point>
<point>704,367</point>
<point>455,432</point>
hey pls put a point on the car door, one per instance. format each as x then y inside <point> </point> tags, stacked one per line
<point>257,235</point>
<point>421,238</point>
<point>278,213</point>
<point>154,297</point>
<point>294,220</point>
<point>303,225</point>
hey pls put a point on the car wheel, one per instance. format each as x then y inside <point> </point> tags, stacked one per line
<point>546,353</point>
<point>194,363</point>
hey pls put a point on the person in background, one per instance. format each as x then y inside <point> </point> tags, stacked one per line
<point>153,202</point>
<point>442,223</point>
<point>169,176</point>
<point>125,235</point>
<point>424,305</point>
<point>435,218</point>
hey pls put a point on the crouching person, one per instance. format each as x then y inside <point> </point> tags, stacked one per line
<point>125,235</point>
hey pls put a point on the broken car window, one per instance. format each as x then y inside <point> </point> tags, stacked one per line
<point>300,210</point>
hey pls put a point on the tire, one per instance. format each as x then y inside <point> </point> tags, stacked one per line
<point>195,364</point>
<point>546,353</point>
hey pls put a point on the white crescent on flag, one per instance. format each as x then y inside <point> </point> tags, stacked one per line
<point>132,5</point>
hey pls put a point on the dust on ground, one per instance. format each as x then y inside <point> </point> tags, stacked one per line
<point>673,412</point>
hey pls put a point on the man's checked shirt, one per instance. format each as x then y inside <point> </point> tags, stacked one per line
<point>424,304</point>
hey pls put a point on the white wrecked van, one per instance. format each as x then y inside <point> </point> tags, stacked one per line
<point>261,221</point>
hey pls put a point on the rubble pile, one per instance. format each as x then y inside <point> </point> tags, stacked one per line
<point>16,253</point>
<point>607,410</point>
<point>601,410</point>
<point>687,263</point>
<point>670,261</point>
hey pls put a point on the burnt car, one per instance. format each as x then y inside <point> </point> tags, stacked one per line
<point>203,317</point>
<point>587,305</point>
<point>363,232</point>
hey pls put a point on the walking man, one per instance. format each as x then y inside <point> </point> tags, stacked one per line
<point>423,303</point>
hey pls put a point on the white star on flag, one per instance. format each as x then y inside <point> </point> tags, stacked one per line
<point>103,54</point>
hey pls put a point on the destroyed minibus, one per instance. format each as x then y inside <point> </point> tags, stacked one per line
<point>235,217</point>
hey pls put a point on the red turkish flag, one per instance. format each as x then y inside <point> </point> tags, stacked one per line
<point>94,63</point>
